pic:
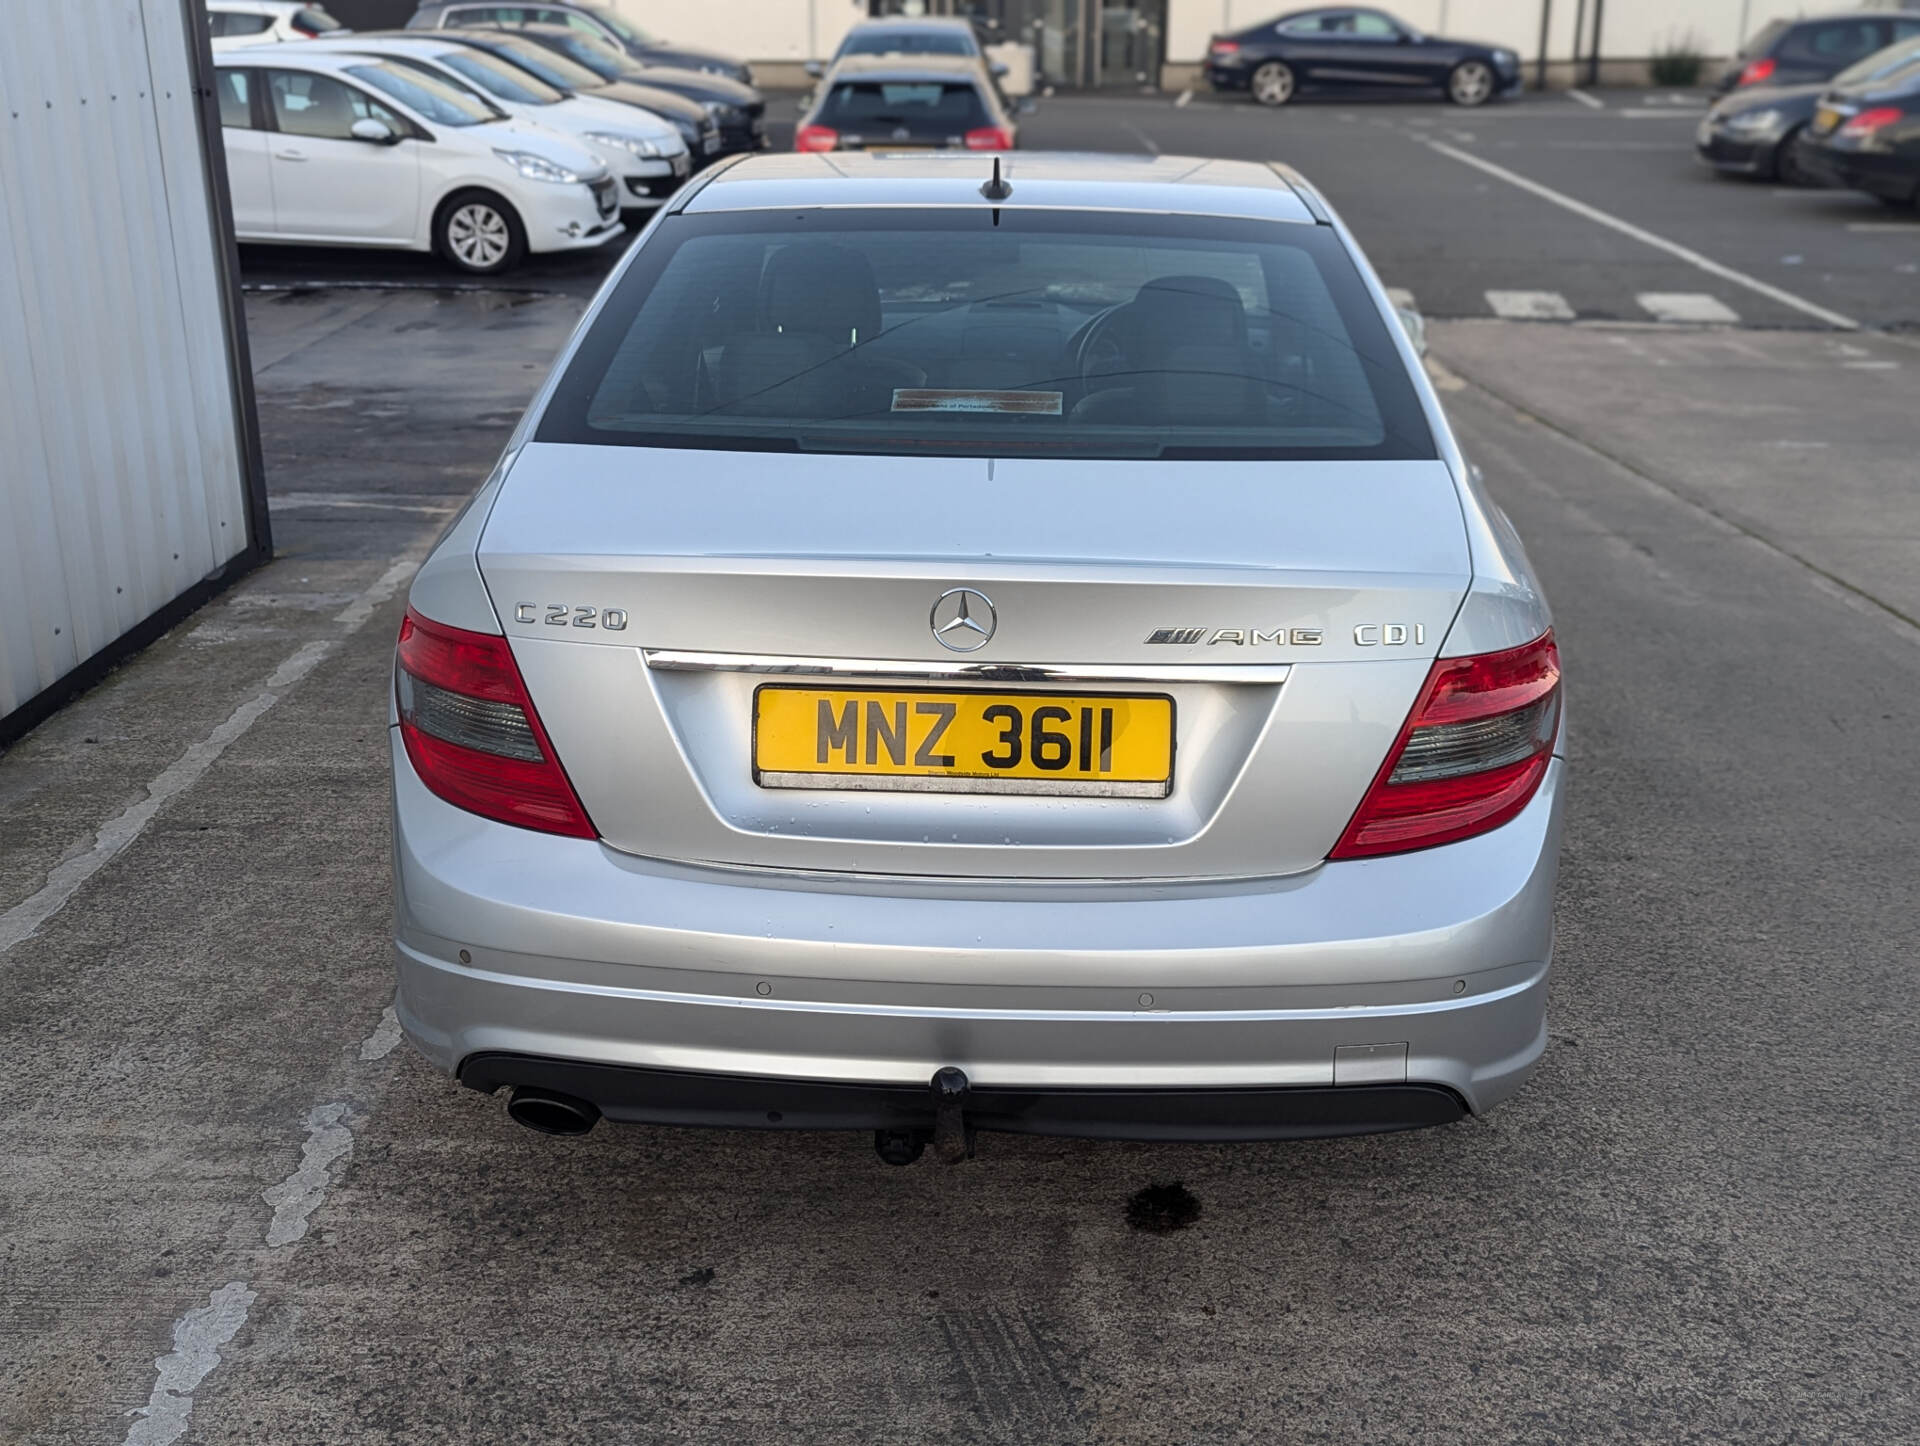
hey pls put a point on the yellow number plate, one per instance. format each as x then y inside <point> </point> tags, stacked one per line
<point>1094,744</point>
<point>1824,120</point>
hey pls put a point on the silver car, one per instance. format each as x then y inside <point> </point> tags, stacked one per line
<point>969,643</point>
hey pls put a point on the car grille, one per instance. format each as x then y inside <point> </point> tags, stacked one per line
<point>606,196</point>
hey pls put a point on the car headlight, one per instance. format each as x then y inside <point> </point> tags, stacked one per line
<point>1506,59</point>
<point>719,112</point>
<point>1753,122</point>
<point>537,168</point>
<point>633,145</point>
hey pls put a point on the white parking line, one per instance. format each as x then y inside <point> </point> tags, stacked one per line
<point>1592,101</point>
<point>197,1338</point>
<point>1530,305</point>
<point>24,919</point>
<point>1647,238</point>
<point>1665,112</point>
<point>1689,306</point>
<point>1144,139</point>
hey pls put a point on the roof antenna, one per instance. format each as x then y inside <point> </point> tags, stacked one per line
<point>996,189</point>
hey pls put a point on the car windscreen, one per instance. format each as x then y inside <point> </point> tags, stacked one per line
<point>1881,65</point>
<point>620,25</point>
<point>500,79</point>
<point>909,42</point>
<point>856,104</point>
<point>1763,38</point>
<point>426,94</point>
<point>971,332</point>
<point>591,51</point>
<point>550,65</point>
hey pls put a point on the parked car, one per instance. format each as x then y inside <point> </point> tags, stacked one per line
<point>352,150</point>
<point>937,661</point>
<point>247,22</point>
<point>1345,49</point>
<point>696,126</point>
<point>1865,136</point>
<point>599,20</point>
<point>899,102</point>
<point>1804,52</point>
<point>646,154</point>
<point>903,35</point>
<point>738,110</point>
<point>1755,130</point>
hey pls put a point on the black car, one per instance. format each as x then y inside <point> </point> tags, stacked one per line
<point>1348,49</point>
<point>1804,52</point>
<point>1754,131</point>
<point>906,102</point>
<point>696,127</point>
<point>598,20</point>
<point>739,110</point>
<point>1866,137</point>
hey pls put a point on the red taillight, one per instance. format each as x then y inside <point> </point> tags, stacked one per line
<point>990,138</point>
<point>1471,755</point>
<point>1223,47</point>
<point>472,732</point>
<point>816,138</point>
<point>1757,71</point>
<point>1869,121</point>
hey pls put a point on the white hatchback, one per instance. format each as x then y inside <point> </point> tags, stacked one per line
<point>644,151</point>
<point>353,150</point>
<point>248,22</point>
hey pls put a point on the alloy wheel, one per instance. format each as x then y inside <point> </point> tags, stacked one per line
<point>477,235</point>
<point>1471,83</point>
<point>1273,83</point>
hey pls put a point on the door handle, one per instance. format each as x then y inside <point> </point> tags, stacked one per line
<point>291,155</point>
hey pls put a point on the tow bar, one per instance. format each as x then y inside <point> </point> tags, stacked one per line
<point>952,1135</point>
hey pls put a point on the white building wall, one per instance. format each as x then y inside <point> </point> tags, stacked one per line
<point>121,481</point>
<point>793,31</point>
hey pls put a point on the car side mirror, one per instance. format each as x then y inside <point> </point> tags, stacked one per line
<point>998,70</point>
<point>374,132</point>
<point>815,69</point>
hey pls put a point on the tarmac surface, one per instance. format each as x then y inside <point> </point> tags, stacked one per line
<point>236,1208</point>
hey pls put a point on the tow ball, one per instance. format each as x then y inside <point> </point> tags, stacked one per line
<point>952,1135</point>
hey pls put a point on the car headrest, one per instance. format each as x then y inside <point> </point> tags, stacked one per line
<point>1173,311</point>
<point>821,289</point>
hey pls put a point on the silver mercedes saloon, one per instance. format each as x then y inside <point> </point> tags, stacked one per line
<point>964,645</point>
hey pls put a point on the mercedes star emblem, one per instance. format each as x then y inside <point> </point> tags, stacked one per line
<point>962,619</point>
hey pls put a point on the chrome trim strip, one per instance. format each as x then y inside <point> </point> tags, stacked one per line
<point>1345,1013</point>
<point>942,783</point>
<point>676,660</point>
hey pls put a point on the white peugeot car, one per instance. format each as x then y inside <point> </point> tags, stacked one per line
<point>973,644</point>
<point>646,153</point>
<point>248,22</point>
<point>353,150</point>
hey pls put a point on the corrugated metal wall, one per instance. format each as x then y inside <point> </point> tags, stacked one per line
<point>124,474</point>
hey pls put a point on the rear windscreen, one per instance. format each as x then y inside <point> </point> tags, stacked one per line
<point>1039,333</point>
<point>852,105</point>
<point>909,42</point>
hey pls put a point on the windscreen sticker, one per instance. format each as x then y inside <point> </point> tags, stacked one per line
<point>935,399</point>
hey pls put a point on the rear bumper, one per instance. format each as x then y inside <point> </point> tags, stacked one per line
<point>1875,173</point>
<point>632,1094</point>
<point>1421,969</point>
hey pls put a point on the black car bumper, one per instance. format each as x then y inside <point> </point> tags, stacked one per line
<point>675,1097</point>
<point>1736,155</point>
<point>1890,177</point>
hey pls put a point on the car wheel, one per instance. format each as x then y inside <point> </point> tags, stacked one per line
<point>1787,170</point>
<point>1471,83</point>
<point>1273,83</point>
<point>479,233</point>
